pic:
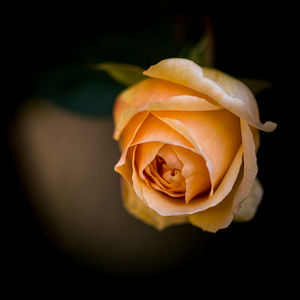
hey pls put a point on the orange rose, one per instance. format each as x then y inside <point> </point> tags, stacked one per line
<point>188,137</point>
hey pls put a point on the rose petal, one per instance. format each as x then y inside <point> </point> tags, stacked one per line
<point>137,208</point>
<point>216,217</point>
<point>183,103</point>
<point>127,136</point>
<point>155,130</point>
<point>141,187</point>
<point>216,135</point>
<point>172,186</point>
<point>228,181</point>
<point>256,137</point>
<point>125,169</point>
<point>227,91</point>
<point>137,182</point>
<point>144,155</point>
<point>250,166</point>
<point>151,94</point>
<point>250,205</point>
<point>195,172</point>
<point>170,157</point>
<point>147,91</point>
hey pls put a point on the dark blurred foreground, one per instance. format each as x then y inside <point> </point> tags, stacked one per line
<point>62,211</point>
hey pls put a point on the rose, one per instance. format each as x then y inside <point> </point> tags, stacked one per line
<point>189,137</point>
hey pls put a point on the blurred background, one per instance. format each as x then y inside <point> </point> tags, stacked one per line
<point>61,205</point>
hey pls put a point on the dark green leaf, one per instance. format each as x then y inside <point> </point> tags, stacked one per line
<point>123,73</point>
<point>79,89</point>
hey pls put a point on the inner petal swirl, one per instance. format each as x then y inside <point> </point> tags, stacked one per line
<point>164,178</point>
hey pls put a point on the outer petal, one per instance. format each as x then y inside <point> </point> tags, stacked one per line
<point>137,208</point>
<point>151,95</point>
<point>228,92</point>
<point>155,130</point>
<point>214,218</point>
<point>123,167</point>
<point>256,137</point>
<point>217,217</point>
<point>250,205</point>
<point>250,166</point>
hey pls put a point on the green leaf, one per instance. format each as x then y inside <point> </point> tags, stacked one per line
<point>78,89</point>
<point>123,73</point>
<point>256,85</point>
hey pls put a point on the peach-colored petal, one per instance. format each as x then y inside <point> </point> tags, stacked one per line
<point>148,91</point>
<point>216,135</point>
<point>194,171</point>
<point>137,208</point>
<point>168,206</point>
<point>124,120</point>
<point>145,153</point>
<point>250,166</point>
<point>219,216</point>
<point>170,183</point>
<point>250,205</point>
<point>183,103</point>
<point>137,182</point>
<point>125,168</point>
<point>126,139</point>
<point>228,181</point>
<point>214,218</point>
<point>140,186</point>
<point>256,137</point>
<point>170,157</point>
<point>155,130</point>
<point>156,94</point>
<point>227,91</point>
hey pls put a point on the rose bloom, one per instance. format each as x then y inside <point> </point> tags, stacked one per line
<point>188,137</point>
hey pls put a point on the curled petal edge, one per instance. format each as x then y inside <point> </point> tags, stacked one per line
<point>177,103</point>
<point>227,91</point>
<point>250,166</point>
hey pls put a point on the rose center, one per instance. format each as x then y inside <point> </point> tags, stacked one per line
<point>165,179</point>
<point>171,175</point>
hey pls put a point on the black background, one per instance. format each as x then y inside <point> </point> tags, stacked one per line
<point>249,43</point>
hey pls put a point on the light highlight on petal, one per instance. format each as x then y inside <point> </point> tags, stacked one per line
<point>250,166</point>
<point>155,94</point>
<point>227,91</point>
<point>250,205</point>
